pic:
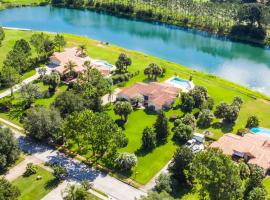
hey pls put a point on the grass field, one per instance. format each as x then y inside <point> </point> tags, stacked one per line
<point>149,164</point>
<point>16,3</point>
<point>33,189</point>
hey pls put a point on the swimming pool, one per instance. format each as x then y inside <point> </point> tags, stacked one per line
<point>262,131</point>
<point>103,63</point>
<point>181,83</point>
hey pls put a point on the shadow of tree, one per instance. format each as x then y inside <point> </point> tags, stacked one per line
<point>51,184</point>
<point>223,126</point>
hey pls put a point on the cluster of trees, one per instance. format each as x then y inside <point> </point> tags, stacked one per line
<point>153,71</point>
<point>158,134</point>
<point>9,149</point>
<point>8,191</point>
<point>19,59</point>
<point>229,113</point>
<point>217,16</point>
<point>216,174</point>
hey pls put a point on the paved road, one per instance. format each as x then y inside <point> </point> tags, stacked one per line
<point>77,171</point>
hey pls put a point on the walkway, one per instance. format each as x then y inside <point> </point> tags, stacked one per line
<point>77,171</point>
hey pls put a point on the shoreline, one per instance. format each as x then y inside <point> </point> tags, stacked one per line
<point>253,92</point>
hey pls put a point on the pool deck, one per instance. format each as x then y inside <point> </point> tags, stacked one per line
<point>184,89</point>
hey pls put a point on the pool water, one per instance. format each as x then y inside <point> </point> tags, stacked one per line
<point>103,64</point>
<point>180,82</point>
<point>262,131</point>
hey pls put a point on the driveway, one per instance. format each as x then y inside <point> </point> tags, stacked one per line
<point>77,171</point>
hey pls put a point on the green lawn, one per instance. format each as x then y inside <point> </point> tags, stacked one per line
<point>12,115</point>
<point>15,3</point>
<point>266,183</point>
<point>33,189</point>
<point>219,89</point>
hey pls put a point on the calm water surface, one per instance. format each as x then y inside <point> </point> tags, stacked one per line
<point>240,63</point>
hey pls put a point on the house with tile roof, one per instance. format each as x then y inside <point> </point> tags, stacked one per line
<point>156,95</point>
<point>254,148</point>
<point>59,59</point>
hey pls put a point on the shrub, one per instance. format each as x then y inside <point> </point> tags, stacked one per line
<point>182,133</point>
<point>125,161</point>
<point>189,120</point>
<point>148,139</point>
<point>30,170</point>
<point>205,118</point>
<point>163,183</point>
<point>252,122</point>
<point>59,171</point>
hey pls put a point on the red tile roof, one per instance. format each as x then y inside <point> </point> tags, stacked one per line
<point>158,93</point>
<point>256,146</point>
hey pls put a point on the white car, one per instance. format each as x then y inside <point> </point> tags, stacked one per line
<point>190,143</point>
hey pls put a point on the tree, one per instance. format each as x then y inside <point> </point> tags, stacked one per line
<point>189,120</point>
<point>232,114</point>
<point>10,77</point>
<point>137,99</point>
<point>125,161</point>
<point>42,123</point>
<point>122,63</point>
<point>59,41</point>
<point>205,118</point>
<point>187,102</point>
<point>42,44</point>
<point>123,108</point>
<point>97,130</point>
<point>76,192</point>
<point>9,148</point>
<point>148,139</point>
<point>182,133</point>
<point>255,179</point>
<point>161,127</point>
<point>8,191</point>
<point>42,72</point>
<point>29,92</point>
<point>59,171</point>
<point>217,175</point>
<point>257,193</point>
<point>180,162</point>
<point>69,68</point>
<point>156,196</point>
<point>2,35</point>
<point>237,101</point>
<point>163,183</point>
<point>252,122</point>
<point>22,46</point>
<point>244,170</point>
<point>82,50</point>
<point>251,13</point>
<point>30,169</point>
<point>68,102</point>
<point>153,71</point>
<point>221,110</point>
<point>199,94</point>
<point>53,80</point>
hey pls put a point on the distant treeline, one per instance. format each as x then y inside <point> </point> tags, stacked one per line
<point>247,21</point>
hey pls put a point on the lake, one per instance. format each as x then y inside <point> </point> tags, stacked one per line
<point>237,62</point>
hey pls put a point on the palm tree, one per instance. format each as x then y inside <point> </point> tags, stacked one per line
<point>69,67</point>
<point>81,50</point>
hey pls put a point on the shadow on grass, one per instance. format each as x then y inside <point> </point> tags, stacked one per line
<point>179,191</point>
<point>150,112</point>
<point>223,126</point>
<point>51,184</point>
<point>121,123</point>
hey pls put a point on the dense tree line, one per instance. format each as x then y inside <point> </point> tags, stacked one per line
<point>217,16</point>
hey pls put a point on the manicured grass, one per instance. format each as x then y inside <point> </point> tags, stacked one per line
<point>33,189</point>
<point>15,3</point>
<point>219,89</point>
<point>266,183</point>
<point>45,101</point>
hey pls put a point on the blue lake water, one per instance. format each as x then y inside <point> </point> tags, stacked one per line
<point>238,62</point>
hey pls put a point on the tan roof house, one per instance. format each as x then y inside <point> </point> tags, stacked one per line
<point>155,94</point>
<point>255,148</point>
<point>59,59</point>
